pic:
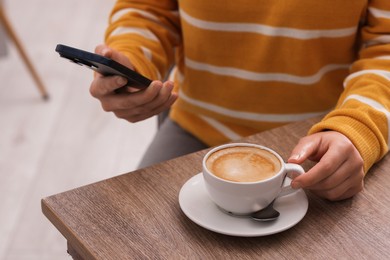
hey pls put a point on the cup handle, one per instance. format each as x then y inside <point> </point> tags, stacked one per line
<point>290,167</point>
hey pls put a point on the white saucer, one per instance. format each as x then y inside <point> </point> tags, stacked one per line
<point>197,206</point>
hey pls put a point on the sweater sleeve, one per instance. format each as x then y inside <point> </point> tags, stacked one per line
<point>362,112</point>
<point>147,32</point>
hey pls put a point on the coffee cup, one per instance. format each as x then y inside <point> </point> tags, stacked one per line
<point>242,178</point>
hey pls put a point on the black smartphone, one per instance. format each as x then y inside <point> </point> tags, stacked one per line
<point>103,65</point>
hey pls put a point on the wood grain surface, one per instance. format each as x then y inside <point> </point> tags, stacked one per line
<point>137,215</point>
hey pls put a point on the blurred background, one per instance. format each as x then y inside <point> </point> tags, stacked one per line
<point>47,147</point>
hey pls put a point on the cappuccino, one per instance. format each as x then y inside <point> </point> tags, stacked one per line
<point>243,164</point>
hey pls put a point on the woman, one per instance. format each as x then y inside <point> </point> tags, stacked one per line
<point>241,67</point>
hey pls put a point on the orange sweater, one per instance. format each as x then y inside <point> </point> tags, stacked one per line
<point>246,66</point>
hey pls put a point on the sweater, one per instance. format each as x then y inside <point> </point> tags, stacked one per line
<point>241,67</point>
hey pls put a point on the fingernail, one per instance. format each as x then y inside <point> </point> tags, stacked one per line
<point>295,157</point>
<point>169,84</point>
<point>157,84</point>
<point>120,81</point>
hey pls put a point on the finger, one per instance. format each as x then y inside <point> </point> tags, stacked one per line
<point>159,109</point>
<point>159,99</point>
<point>329,163</point>
<point>131,101</point>
<point>333,180</point>
<point>305,148</point>
<point>348,188</point>
<point>345,182</point>
<point>100,48</point>
<point>164,96</point>
<point>102,86</point>
<point>110,53</point>
<point>133,116</point>
<point>142,97</point>
<point>137,118</point>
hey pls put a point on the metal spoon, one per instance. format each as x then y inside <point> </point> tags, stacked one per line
<point>266,214</point>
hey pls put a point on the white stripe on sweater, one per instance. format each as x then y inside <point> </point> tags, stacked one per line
<point>256,76</point>
<point>375,105</point>
<point>134,30</point>
<point>221,128</point>
<point>384,39</point>
<point>379,13</point>
<point>258,117</point>
<point>266,29</point>
<point>117,15</point>
<point>382,73</point>
<point>148,16</point>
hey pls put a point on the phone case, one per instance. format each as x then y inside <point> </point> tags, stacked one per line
<point>103,65</point>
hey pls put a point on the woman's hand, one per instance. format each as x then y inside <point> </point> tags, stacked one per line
<point>339,173</point>
<point>132,105</point>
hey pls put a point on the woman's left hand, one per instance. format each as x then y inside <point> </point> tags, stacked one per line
<point>339,173</point>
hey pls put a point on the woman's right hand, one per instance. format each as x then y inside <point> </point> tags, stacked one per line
<point>132,105</point>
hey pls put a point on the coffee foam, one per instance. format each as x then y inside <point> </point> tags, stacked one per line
<point>243,164</point>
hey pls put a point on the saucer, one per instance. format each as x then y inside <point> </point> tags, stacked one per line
<point>197,206</point>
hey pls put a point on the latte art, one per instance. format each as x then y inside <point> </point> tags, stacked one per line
<point>243,164</point>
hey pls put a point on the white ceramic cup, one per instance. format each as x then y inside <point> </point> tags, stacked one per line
<point>245,198</point>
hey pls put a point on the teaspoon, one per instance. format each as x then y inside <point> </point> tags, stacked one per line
<point>266,214</point>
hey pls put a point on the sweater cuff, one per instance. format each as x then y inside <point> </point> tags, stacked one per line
<point>360,135</point>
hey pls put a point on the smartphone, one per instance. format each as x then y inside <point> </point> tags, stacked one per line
<point>103,65</point>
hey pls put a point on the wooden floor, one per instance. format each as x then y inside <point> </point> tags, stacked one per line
<point>66,142</point>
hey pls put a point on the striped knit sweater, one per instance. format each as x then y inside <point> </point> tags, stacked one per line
<point>242,67</point>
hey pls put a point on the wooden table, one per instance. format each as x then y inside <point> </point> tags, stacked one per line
<point>137,215</point>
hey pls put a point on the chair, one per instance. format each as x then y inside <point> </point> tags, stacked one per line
<point>4,22</point>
